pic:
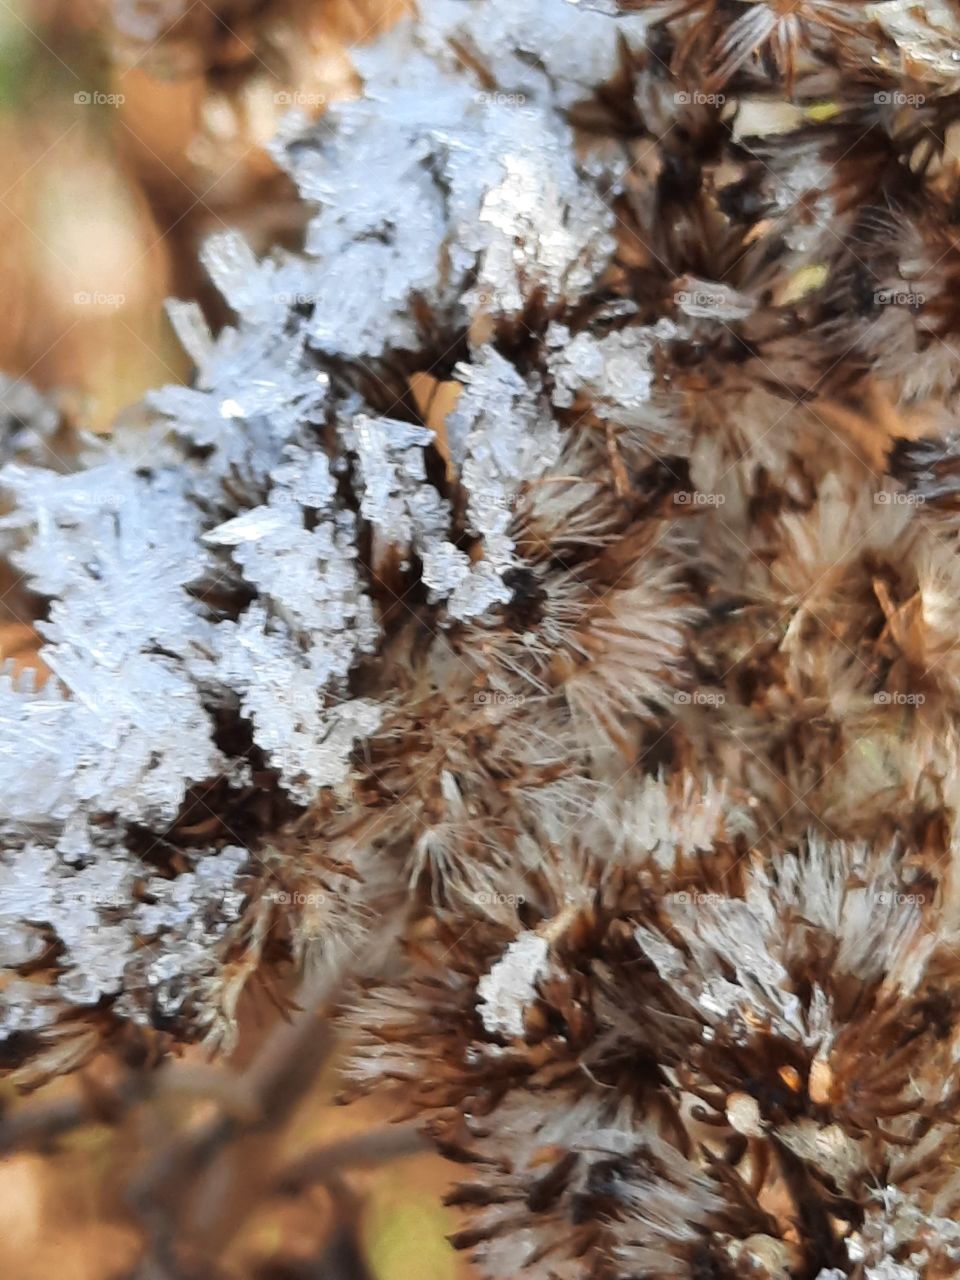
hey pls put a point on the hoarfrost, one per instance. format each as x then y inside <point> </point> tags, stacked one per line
<point>28,421</point>
<point>421,193</point>
<point>208,578</point>
<point>280,689</point>
<point>396,496</point>
<point>102,922</point>
<point>505,993</point>
<point>615,371</point>
<point>502,438</point>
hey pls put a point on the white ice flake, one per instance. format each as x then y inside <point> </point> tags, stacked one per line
<point>93,913</point>
<point>396,495</point>
<point>507,991</point>
<point>116,551</point>
<point>615,374</point>
<point>307,738</point>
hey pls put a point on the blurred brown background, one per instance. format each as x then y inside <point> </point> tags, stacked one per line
<point>122,153</point>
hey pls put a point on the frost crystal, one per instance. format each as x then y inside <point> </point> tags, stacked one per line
<point>213,581</point>
<point>392,469</point>
<point>121,643</point>
<point>100,918</point>
<point>311,622</point>
<point>501,437</point>
<point>616,371</point>
<point>423,193</point>
<point>510,987</point>
<point>27,422</point>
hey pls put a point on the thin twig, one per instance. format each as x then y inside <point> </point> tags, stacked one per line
<point>188,1188</point>
<point>354,1152</point>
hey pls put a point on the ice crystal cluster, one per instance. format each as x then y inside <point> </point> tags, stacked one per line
<point>543,602</point>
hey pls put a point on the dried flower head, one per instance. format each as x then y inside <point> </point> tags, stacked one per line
<point>545,595</point>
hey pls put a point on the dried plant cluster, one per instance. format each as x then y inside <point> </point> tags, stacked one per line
<point>226,40</point>
<point>543,604</point>
<point>229,42</point>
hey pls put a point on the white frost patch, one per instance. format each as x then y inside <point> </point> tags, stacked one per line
<point>510,986</point>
